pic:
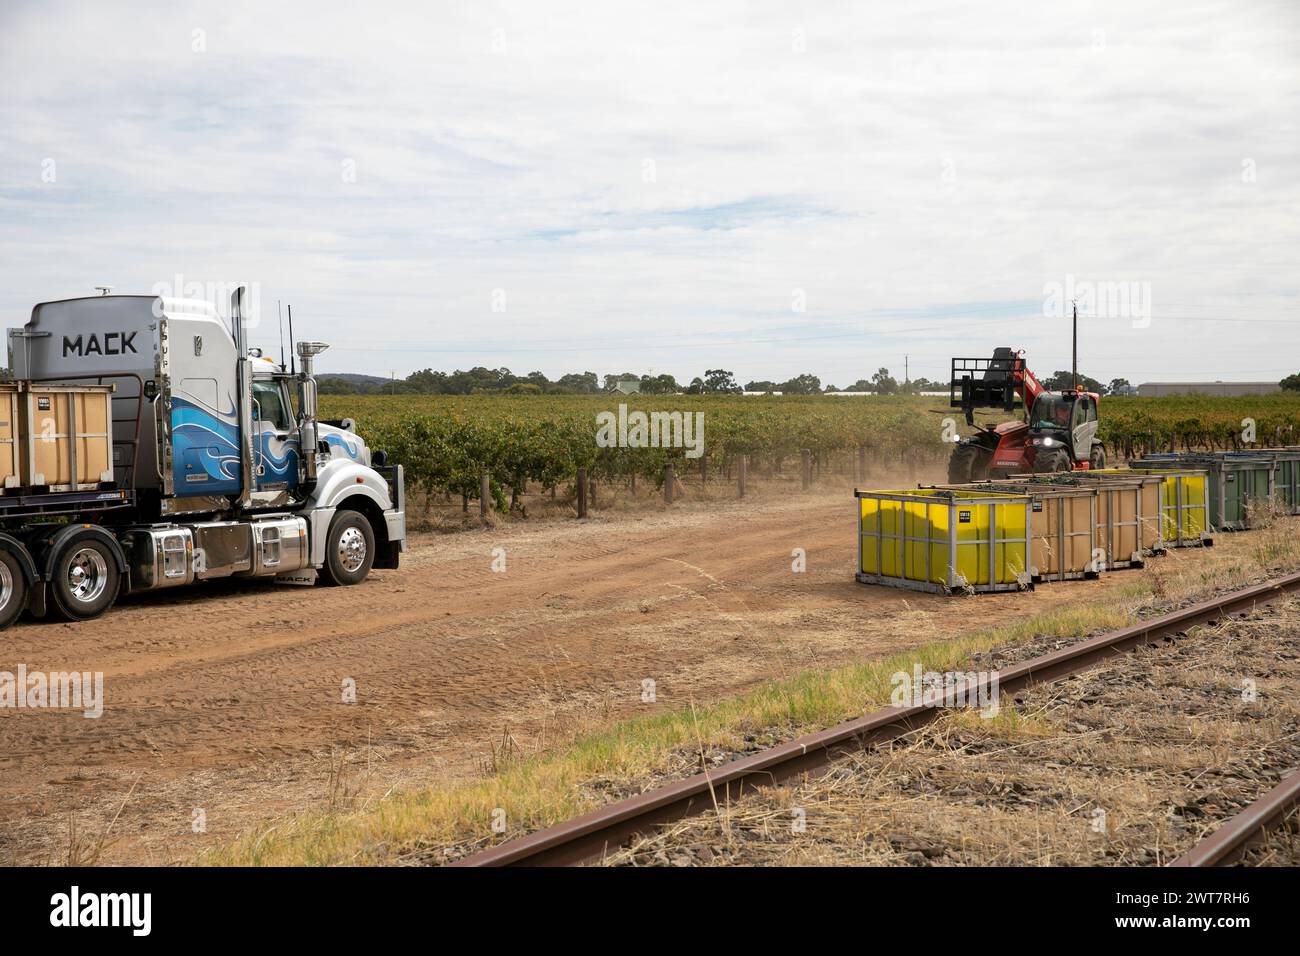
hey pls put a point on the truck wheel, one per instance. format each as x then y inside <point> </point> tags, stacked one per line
<point>349,549</point>
<point>86,579</point>
<point>13,589</point>
<point>1097,458</point>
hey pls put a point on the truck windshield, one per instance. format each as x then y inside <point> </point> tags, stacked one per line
<point>1050,411</point>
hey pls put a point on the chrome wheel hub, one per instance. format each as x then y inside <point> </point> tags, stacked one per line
<point>352,550</point>
<point>87,575</point>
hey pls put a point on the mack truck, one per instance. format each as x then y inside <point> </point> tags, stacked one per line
<point>220,467</point>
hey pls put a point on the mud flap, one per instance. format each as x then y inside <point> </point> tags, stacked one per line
<point>36,597</point>
<point>388,558</point>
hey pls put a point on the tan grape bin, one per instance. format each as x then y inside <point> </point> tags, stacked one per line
<point>56,436</point>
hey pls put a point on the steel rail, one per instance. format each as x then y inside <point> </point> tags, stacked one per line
<point>1240,832</point>
<point>594,834</point>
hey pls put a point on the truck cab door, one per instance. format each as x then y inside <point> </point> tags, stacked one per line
<point>198,411</point>
<point>276,454</point>
<point>1083,426</point>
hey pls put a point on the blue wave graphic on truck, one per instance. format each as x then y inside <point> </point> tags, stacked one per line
<point>205,452</point>
<point>335,440</point>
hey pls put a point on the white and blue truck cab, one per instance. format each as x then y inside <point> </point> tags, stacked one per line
<point>221,467</point>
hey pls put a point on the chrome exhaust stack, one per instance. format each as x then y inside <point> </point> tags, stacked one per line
<point>244,382</point>
<point>307,433</point>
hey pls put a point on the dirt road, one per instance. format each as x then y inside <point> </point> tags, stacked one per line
<point>224,704</point>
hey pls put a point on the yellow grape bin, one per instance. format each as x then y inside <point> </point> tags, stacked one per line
<point>1184,504</point>
<point>1063,526</point>
<point>945,541</point>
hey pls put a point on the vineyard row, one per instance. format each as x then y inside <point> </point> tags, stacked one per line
<point>447,442</point>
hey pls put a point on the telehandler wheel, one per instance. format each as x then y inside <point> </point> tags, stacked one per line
<point>13,589</point>
<point>968,463</point>
<point>349,549</point>
<point>1097,458</point>
<point>86,579</point>
<point>1052,459</point>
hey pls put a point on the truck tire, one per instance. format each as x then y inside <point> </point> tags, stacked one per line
<point>13,589</point>
<point>968,463</point>
<point>1097,458</point>
<point>349,549</point>
<point>86,579</point>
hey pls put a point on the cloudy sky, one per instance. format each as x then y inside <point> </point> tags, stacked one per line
<point>772,188</point>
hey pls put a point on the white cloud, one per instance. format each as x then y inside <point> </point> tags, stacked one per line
<point>903,165</point>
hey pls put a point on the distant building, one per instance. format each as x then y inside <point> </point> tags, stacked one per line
<point>629,386</point>
<point>1156,389</point>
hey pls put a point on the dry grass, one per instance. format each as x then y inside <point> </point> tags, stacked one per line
<point>608,762</point>
<point>85,850</point>
<point>1129,764</point>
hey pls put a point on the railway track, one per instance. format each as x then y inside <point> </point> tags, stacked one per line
<point>593,835</point>
<point>1227,844</point>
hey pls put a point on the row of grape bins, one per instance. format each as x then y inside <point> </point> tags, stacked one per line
<point>1011,534</point>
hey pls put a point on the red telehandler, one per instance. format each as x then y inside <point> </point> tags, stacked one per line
<point>1058,432</point>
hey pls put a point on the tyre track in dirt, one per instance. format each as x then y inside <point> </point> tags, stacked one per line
<point>228,697</point>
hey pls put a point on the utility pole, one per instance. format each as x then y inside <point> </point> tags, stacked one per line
<point>906,374</point>
<point>1074,361</point>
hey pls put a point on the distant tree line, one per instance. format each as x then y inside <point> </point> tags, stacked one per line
<point>480,380</point>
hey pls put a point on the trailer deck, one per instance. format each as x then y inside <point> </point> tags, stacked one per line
<point>28,502</point>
